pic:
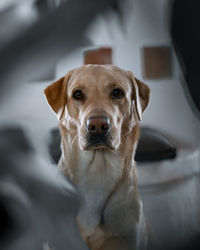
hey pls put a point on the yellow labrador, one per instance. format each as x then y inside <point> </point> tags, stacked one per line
<point>99,108</point>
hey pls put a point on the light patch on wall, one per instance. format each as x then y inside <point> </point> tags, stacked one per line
<point>156,62</point>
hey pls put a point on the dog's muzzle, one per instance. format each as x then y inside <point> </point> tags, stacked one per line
<point>98,132</point>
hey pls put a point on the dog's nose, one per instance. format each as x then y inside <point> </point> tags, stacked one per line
<point>98,124</point>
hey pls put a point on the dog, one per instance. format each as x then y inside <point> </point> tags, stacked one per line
<point>99,108</point>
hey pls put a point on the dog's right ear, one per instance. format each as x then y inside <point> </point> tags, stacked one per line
<point>56,95</point>
<point>141,94</point>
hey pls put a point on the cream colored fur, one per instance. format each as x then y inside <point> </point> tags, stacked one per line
<point>111,213</point>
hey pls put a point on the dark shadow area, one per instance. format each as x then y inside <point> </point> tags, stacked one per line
<point>185,35</point>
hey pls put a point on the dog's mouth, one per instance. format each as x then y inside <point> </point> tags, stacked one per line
<point>98,141</point>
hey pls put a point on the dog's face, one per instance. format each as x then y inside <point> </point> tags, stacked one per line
<point>100,103</point>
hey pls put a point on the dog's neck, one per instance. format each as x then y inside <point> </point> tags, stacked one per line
<point>98,174</point>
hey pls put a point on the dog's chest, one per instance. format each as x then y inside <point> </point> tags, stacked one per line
<point>96,177</point>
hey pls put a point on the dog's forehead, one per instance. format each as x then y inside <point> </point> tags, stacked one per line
<point>98,74</point>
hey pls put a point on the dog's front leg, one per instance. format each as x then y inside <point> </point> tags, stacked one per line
<point>116,243</point>
<point>101,240</point>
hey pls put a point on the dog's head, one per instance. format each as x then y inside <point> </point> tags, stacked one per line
<point>101,103</point>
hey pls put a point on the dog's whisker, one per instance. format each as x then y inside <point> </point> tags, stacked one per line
<point>74,139</point>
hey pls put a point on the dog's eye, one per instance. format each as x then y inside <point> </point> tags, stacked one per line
<point>78,95</point>
<point>117,93</point>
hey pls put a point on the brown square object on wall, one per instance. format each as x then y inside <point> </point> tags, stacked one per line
<point>98,56</point>
<point>156,62</point>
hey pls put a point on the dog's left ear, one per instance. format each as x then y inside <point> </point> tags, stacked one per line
<point>56,94</point>
<point>141,94</point>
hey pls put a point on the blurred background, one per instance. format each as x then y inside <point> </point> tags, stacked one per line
<point>40,41</point>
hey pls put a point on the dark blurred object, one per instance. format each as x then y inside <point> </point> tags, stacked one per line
<point>152,146</point>
<point>54,145</point>
<point>38,48</point>
<point>14,215</point>
<point>14,212</point>
<point>18,139</point>
<point>185,34</point>
<point>37,204</point>
<point>15,18</point>
<point>98,56</point>
<point>194,244</point>
<point>44,6</point>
